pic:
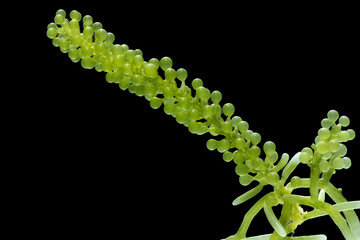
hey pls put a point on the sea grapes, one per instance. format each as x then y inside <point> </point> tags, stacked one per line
<point>201,111</point>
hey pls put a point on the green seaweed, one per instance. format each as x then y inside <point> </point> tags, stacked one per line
<point>200,110</point>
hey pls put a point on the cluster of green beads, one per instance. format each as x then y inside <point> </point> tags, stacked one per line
<point>198,108</point>
<point>328,151</point>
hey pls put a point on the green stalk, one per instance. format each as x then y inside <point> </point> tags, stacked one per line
<point>350,215</point>
<point>345,206</point>
<point>314,182</point>
<point>249,194</point>
<point>274,222</point>
<point>290,167</point>
<point>253,211</point>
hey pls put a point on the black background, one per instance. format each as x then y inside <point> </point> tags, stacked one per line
<point>108,166</point>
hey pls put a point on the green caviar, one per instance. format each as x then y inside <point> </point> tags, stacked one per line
<point>201,111</point>
<point>328,149</point>
<point>198,109</point>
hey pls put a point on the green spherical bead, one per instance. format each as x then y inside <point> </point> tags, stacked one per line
<point>154,61</point>
<point>245,179</point>
<point>351,134</point>
<point>238,157</point>
<point>64,45</point>
<point>52,33</point>
<point>242,169</point>
<point>56,41</point>
<point>327,155</point>
<point>324,133</point>
<point>100,48</point>
<point>322,147</point>
<point>86,51</point>
<point>203,129</point>
<point>240,143</point>
<point>165,63</point>
<point>124,83</point>
<point>235,121</point>
<point>254,151</point>
<point>181,74</point>
<point>151,70</point>
<point>168,92</point>
<point>150,91</point>
<point>223,145</point>
<point>100,35</point>
<point>338,163</point>
<point>125,47</point>
<point>110,38</point>
<point>326,123</point>
<point>324,166</point>
<point>308,151</point>
<point>61,12</point>
<point>183,103</point>
<point>75,15</point>
<point>228,109</point>
<point>247,134</point>
<point>129,56</point>
<point>155,102</point>
<point>170,74</point>
<point>207,111</point>
<point>194,114</point>
<point>59,19</point>
<point>106,65</point>
<point>138,60</point>
<point>108,77</point>
<point>128,70</point>
<point>304,157</point>
<point>196,83</point>
<point>203,93</point>
<point>344,121</point>
<point>255,138</point>
<point>227,127</point>
<point>52,25</point>
<point>96,26</point>
<point>216,96</point>
<point>117,50</point>
<point>212,144</point>
<point>243,126</point>
<point>195,127</point>
<point>343,136</point>
<point>269,148</point>
<point>74,26</point>
<point>74,55</point>
<point>87,63</point>
<point>273,157</point>
<point>138,79</point>
<point>139,52</point>
<point>117,76</point>
<point>87,20</point>
<point>169,108</point>
<point>333,145</point>
<point>227,156</point>
<point>347,162</point>
<point>341,151</point>
<point>75,40</point>
<point>333,115</point>
<point>88,32</point>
